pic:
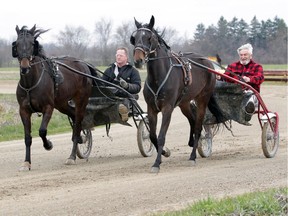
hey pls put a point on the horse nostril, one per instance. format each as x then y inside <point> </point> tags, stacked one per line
<point>139,63</point>
<point>24,70</point>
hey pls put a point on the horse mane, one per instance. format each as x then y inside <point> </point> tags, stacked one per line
<point>160,38</point>
<point>159,35</point>
<point>41,52</point>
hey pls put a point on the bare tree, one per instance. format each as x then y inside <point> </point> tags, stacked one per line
<point>103,30</point>
<point>73,41</point>
<point>123,33</point>
<point>122,37</point>
<point>170,36</point>
<point>6,59</point>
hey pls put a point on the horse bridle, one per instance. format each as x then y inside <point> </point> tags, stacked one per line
<point>145,49</point>
<point>20,56</point>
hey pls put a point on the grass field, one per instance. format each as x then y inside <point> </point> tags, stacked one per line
<point>264,203</point>
<point>11,127</point>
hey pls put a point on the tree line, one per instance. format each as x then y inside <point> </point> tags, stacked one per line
<point>268,38</point>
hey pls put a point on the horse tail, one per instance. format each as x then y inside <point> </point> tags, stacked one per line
<point>215,110</point>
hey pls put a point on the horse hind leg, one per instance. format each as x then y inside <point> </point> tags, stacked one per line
<point>76,138</point>
<point>197,129</point>
<point>195,116</point>
<point>80,106</point>
<point>189,111</point>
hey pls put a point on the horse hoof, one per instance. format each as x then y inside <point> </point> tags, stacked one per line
<point>193,162</point>
<point>167,152</point>
<point>155,170</point>
<point>26,166</point>
<point>70,162</point>
<point>49,145</point>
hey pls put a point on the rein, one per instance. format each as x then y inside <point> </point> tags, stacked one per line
<point>219,65</point>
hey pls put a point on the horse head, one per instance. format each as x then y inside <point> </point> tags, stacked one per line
<point>26,47</point>
<point>145,41</point>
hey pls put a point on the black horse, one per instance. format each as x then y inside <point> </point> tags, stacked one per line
<point>172,80</point>
<point>48,83</point>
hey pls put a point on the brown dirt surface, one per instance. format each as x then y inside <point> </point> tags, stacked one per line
<point>116,180</point>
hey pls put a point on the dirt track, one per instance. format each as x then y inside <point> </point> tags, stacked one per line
<point>116,179</point>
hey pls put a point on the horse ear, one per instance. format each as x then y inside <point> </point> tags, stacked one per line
<point>138,25</point>
<point>152,22</point>
<point>36,48</point>
<point>17,29</point>
<point>14,50</point>
<point>32,29</point>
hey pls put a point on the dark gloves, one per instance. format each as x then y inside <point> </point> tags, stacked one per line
<point>123,83</point>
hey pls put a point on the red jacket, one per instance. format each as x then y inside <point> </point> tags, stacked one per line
<point>252,70</point>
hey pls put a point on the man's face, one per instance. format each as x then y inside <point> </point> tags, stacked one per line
<point>244,56</point>
<point>121,57</point>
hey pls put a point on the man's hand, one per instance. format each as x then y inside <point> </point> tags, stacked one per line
<point>123,83</point>
<point>247,79</point>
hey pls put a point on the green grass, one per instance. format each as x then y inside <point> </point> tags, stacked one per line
<point>11,127</point>
<point>275,67</point>
<point>270,202</point>
<point>9,69</point>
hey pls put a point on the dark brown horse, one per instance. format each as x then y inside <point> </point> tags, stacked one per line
<point>172,80</point>
<point>48,83</point>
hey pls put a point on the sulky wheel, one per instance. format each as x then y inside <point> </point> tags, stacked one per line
<point>270,140</point>
<point>84,149</point>
<point>145,146</point>
<point>205,141</point>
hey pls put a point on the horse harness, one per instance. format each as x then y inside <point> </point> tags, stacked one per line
<point>187,72</point>
<point>54,73</point>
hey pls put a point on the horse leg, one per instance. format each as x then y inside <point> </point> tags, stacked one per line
<point>161,142</point>
<point>47,144</point>
<point>26,121</point>
<point>187,110</point>
<point>152,120</point>
<point>77,127</point>
<point>201,109</point>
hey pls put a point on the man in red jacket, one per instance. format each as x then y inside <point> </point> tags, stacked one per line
<point>248,71</point>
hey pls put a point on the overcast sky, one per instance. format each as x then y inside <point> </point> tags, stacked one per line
<point>181,15</point>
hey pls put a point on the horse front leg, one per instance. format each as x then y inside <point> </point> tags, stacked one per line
<point>26,121</point>
<point>47,144</point>
<point>161,142</point>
